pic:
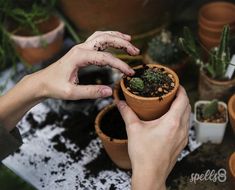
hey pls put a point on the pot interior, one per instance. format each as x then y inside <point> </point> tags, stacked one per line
<point>113,125</point>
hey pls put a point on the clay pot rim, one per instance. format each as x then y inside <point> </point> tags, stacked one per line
<point>100,133</point>
<point>230,108</point>
<point>60,26</point>
<point>197,103</point>
<point>217,82</point>
<point>170,71</point>
<point>211,5</point>
<point>232,160</point>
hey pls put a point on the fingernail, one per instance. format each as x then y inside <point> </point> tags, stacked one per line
<point>137,50</point>
<point>131,72</point>
<point>106,92</point>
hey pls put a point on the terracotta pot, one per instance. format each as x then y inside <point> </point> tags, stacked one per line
<point>208,42</point>
<point>231,111</point>
<point>130,17</point>
<point>179,67</point>
<point>149,108</point>
<point>117,92</point>
<point>231,165</point>
<point>217,14</point>
<point>30,48</point>
<point>213,89</point>
<point>211,32</point>
<point>115,148</point>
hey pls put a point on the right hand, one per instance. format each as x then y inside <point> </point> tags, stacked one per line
<point>154,146</point>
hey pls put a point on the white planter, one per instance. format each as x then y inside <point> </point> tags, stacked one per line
<point>209,132</point>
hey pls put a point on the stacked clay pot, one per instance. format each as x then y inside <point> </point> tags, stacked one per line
<point>212,19</point>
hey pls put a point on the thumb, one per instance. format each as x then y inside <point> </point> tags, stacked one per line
<point>91,91</point>
<point>127,114</point>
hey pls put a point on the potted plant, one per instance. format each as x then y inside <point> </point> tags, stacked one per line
<point>213,81</point>
<point>210,119</point>
<point>110,128</point>
<point>231,111</point>
<point>33,27</point>
<point>164,49</point>
<point>151,90</point>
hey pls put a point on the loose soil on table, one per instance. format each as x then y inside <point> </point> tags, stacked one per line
<point>163,86</point>
<point>219,117</point>
<point>113,125</point>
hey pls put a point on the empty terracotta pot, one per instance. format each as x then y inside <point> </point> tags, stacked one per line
<point>213,89</point>
<point>232,167</point>
<point>231,111</point>
<point>208,42</point>
<point>217,14</point>
<point>31,48</point>
<point>149,108</point>
<point>115,148</point>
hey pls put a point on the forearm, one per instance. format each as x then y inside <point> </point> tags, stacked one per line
<point>15,103</point>
<point>148,179</point>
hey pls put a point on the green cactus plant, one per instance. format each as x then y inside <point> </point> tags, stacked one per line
<point>136,84</point>
<point>165,49</point>
<point>210,109</point>
<point>219,57</point>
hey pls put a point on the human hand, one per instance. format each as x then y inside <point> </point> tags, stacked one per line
<point>60,79</point>
<point>154,146</point>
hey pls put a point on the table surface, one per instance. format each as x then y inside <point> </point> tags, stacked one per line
<point>52,158</point>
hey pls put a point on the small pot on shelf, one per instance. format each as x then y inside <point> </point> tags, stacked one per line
<point>35,49</point>
<point>110,128</point>
<point>210,128</point>
<point>231,111</point>
<point>145,106</point>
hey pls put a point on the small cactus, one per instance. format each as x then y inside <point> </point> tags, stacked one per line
<point>210,109</point>
<point>136,84</point>
<point>165,49</point>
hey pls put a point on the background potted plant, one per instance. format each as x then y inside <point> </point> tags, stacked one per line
<point>33,27</point>
<point>111,129</point>
<point>231,111</point>
<point>213,82</point>
<point>211,119</point>
<point>151,90</point>
<point>164,49</point>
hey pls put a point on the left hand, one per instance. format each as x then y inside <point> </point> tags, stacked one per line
<point>60,79</point>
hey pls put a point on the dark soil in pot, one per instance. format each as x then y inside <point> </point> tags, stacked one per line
<point>150,82</point>
<point>113,125</point>
<point>219,117</point>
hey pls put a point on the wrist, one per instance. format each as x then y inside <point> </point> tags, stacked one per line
<point>147,177</point>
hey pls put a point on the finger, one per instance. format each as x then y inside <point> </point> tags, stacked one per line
<point>179,105</point>
<point>89,92</point>
<point>89,57</point>
<point>186,117</point>
<point>104,41</point>
<point>114,33</point>
<point>127,114</point>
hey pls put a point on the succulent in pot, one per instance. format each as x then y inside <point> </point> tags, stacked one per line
<point>110,128</point>
<point>151,90</point>
<point>211,119</point>
<point>214,82</point>
<point>165,50</point>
